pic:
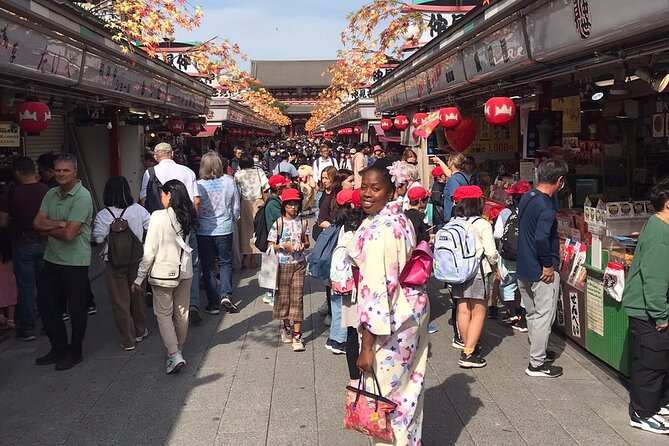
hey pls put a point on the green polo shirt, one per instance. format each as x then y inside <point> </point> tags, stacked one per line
<point>76,205</point>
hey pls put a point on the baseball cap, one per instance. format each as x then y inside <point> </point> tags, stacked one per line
<point>352,151</point>
<point>356,198</point>
<point>290,195</point>
<point>463,192</point>
<point>162,148</point>
<point>345,197</point>
<point>418,193</point>
<point>437,171</point>
<point>519,188</point>
<point>276,181</point>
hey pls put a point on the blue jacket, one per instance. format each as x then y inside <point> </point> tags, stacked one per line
<point>538,244</point>
<point>456,180</point>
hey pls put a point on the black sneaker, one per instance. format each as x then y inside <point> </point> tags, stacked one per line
<point>229,306</point>
<point>472,361</point>
<point>50,358</point>
<point>194,315</point>
<point>457,343</point>
<point>25,337</point>
<point>212,309</point>
<point>545,370</point>
<point>520,326</point>
<point>65,317</point>
<point>68,361</point>
<point>550,357</point>
<point>92,310</point>
<point>656,424</point>
<point>337,348</point>
<point>493,312</point>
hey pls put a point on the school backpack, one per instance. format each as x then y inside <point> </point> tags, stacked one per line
<point>508,244</point>
<point>455,260</point>
<point>153,188</point>
<point>341,271</point>
<point>123,246</point>
<point>260,229</point>
<point>320,259</point>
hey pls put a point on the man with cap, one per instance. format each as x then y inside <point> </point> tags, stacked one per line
<point>164,171</point>
<point>437,195</point>
<point>277,184</point>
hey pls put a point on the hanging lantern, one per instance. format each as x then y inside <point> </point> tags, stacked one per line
<point>386,124</point>
<point>34,116</point>
<point>418,119</point>
<point>194,128</point>
<point>348,131</point>
<point>449,117</point>
<point>176,126</point>
<point>357,130</point>
<point>500,110</point>
<point>401,122</point>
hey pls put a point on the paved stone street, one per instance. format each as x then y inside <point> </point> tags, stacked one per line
<point>242,387</point>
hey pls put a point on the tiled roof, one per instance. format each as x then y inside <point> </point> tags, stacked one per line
<point>292,73</point>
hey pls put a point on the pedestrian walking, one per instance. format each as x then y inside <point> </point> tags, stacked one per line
<point>65,217</point>
<point>167,266</point>
<point>289,237</point>
<point>128,306</point>
<point>538,261</point>
<point>253,186</point>
<point>456,164</point>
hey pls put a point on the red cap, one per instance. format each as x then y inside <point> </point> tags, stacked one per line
<point>418,193</point>
<point>463,192</point>
<point>345,197</point>
<point>290,195</point>
<point>356,198</point>
<point>276,181</point>
<point>519,188</point>
<point>437,171</point>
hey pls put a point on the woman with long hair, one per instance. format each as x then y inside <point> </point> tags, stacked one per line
<point>252,184</point>
<point>168,266</point>
<point>128,307</point>
<point>392,318</point>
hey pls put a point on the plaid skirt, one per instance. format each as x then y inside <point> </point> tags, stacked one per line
<point>289,297</point>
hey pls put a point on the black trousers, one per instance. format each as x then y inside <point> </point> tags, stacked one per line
<point>650,367</point>
<point>53,282</point>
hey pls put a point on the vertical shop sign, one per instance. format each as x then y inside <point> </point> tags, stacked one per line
<point>574,315</point>
<point>582,18</point>
<point>594,298</point>
<point>560,309</point>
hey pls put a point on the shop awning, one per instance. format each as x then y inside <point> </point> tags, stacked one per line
<point>389,139</point>
<point>208,131</point>
<point>379,131</point>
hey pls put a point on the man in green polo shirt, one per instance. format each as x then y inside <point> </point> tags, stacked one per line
<point>65,216</point>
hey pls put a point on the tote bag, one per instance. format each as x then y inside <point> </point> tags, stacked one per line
<point>268,269</point>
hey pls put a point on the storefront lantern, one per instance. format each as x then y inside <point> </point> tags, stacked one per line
<point>418,119</point>
<point>349,131</point>
<point>357,130</point>
<point>193,128</point>
<point>386,124</point>
<point>176,126</point>
<point>500,111</point>
<point>401,122</point>
<point>34,116</point>
<point>449,117</point>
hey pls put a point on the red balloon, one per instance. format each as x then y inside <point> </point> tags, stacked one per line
<point>401,122</point>
<point>176,126</point>
<point>500,111</point>
<point>34,116</point>
<point>386,124</point>
<point>357,130</point>
<point>449,117</point>
<point>463,135</point>
<point>193,128</point>
<point>418,119</point>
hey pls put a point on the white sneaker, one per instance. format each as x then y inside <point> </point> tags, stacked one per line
<point>175,363</point>
<point>298,345</point>
<point>286,338</point>
<point>267,297</point>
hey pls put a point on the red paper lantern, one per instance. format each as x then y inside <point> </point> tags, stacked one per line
<point>193,128</point>
<point>176,126</point>
<point>500,111</point>
<point>418,119</point>
<point>34,116</point>
<point>348,131</point>
<point>357,130</point>
<point>449,117</point>
<point>386,124</point>
<point>401,122</point>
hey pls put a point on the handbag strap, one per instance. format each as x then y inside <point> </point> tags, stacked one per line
<point>361,388</point>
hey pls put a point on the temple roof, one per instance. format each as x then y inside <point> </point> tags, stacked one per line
<point>292,73</point>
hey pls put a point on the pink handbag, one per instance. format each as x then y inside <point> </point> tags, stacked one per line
<point>418,268</point>
<point>367,412</point>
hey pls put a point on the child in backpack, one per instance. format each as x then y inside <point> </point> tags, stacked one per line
<point>289,237</point>
<point>473,294</point>
<point>507,268</point>
<point>277,184</point>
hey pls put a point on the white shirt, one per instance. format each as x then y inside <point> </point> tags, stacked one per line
<point>320,164</point>
<point>167,170</point>
<point>136,216</point>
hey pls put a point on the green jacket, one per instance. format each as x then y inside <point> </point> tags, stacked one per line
<point>647,284</point>
<point>272,211</point>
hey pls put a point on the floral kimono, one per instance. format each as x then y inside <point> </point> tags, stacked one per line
<point>397,315</point>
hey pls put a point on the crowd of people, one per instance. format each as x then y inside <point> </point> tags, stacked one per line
<point>364,213</point>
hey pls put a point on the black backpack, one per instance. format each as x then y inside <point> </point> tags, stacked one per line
<point>153,188</point>
<point>123,246</point>
<point>260,228</point>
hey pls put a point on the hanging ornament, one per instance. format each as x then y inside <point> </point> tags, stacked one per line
<point>194,128</point>
<point>386,124</point>
<point>449,117</point>
<point>418,119</point>
<point>463,135</point>
<point>176,126</point>
<point>34,116</point>
<point>401,122</point>
<point>500,110</point>
<point>357,130</point>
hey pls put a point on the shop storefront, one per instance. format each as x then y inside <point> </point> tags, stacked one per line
<point>586,86</point>
<point>240,126</point>
<point>355,123</point>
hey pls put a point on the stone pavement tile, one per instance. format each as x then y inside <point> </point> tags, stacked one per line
<point>99,428</point>
<point>594,393</point>
<point>241,439</point>
<point>545,389</point>
<point>148,427</point>
<point>209,392</point>
<point>446,437</point>
<point>292,437</point>
<point>342,437</point>
<point>247,409</point>
<point>195,427</point>
<point>582,423</point>
<point>487,424</point>
<point>438,411</point>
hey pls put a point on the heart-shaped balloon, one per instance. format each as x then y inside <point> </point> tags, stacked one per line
<point>461,137</point>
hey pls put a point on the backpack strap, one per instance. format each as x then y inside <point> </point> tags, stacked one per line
<point>467,183</point>
<point>123,212</point>
<point>279,230</point>
<point>112,214</point>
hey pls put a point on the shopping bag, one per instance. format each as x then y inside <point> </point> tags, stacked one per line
<point>614,280</point>
<point>267,278</point>
<point>367,412</point>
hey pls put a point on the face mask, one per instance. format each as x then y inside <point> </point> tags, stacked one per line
<point>256,160</point>
<point>272,153</point>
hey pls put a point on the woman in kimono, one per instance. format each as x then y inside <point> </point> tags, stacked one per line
<point>392,319</point>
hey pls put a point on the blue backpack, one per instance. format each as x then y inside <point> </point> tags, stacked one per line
<point>320,259</point>
<point>455,260</point>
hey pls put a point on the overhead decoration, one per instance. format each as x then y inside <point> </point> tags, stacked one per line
<point>462,137</point>
<point>449,117</point>
<point>500,110</point>
<point>33,116</point>
<point>428,125</point>
<point>194,128</point>
<point>401,122</point>
<point>418,119</point>
<point>386,124</point>
<point>176,126</point>
<point>357,130</point>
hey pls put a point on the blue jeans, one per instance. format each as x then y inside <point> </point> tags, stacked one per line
<point>213,248</point>
<point>27,265</point>
<point>195,284</point>
<point>337,332</point>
